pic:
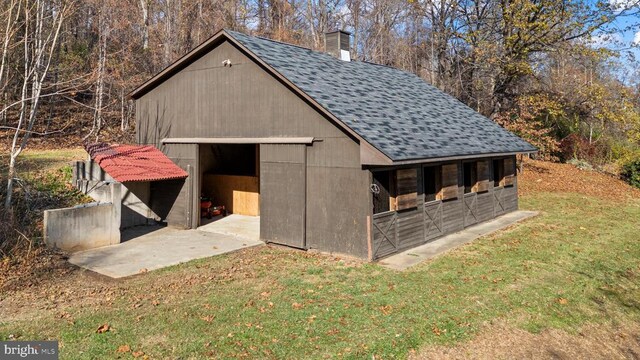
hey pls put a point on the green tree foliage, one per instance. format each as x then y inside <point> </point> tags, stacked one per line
<point>529,119</point>
<point>631,172</point>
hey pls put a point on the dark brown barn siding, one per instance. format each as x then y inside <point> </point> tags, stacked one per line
<point>395,231</point>
<point>207,99</point>
<point>180,198</point>
<point>283,198</point>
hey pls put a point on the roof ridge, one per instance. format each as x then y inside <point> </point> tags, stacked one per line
<point>316,51</point>
<point>272,40</point>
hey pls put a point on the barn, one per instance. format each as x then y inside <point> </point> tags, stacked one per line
<point>331,154</point>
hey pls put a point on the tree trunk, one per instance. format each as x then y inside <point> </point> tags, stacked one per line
<point>144,5</point>
<point>102,58</point>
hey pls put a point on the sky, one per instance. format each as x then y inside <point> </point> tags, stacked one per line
<point>624,38</point>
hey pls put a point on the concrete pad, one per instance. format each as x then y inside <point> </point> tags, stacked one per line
<point>432,249</point>
<point>247,227</point>
<point>158,249</point>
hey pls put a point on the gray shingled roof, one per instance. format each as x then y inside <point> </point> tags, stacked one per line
<point>395,111</point>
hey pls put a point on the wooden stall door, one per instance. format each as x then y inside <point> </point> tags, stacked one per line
<point>283,194</point>
<point>385,234</point>
<point>470,209</point>
<point>498,201</point>
<point>433,220</point>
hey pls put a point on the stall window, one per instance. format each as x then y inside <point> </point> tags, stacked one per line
<point>432,183</point>
<point>470,172</point>
<point>498,172</point>
<point>449,189</point>
<point>383,199</point>
<point>395,190</point>
<point>407,188</point>
<point>509,172</point>
<point>482,181</point>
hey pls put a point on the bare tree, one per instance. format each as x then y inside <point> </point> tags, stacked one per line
<point>13,9</point>
<point>42,23</point>
<point>103,33</point>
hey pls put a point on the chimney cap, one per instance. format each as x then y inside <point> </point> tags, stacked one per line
<point>340,31</point>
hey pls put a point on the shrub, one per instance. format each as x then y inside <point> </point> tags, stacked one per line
<point>575,146</point>
<point>581,164</point>
<point>630,171</point>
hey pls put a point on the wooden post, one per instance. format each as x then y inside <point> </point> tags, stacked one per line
<point>369,240</point>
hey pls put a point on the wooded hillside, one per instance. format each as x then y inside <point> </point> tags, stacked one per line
<point>542,68</point>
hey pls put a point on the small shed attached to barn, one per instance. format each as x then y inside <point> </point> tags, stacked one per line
<point>332,154</point>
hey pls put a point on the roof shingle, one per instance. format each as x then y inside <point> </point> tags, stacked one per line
<point>395,111</point>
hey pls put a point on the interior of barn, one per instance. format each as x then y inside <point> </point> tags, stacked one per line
<point>230,179</point>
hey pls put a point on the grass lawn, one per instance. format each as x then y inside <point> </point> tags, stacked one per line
<point>575,264</point>
<point>31,160</point>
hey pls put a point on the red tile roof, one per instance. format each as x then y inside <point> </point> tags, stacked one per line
<point>134,162</point>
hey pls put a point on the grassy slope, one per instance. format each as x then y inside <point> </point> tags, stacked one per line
<point>575,264</point>
<point>46,171</point>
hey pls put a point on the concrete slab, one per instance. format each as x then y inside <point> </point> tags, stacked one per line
<point>148,251</point>
<point>427,251</point>
<point>244,226</point>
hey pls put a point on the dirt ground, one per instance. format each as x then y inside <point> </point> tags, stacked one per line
<point>500,341</point>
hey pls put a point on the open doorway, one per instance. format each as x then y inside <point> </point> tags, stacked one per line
<point>230,178</point>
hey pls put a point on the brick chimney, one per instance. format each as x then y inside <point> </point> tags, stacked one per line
<point>337,43</point>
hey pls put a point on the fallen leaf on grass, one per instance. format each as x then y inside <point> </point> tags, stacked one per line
<point>208,318</point>
<point>103,329</point>
<point>296,306</point>
<point>386,309</point>
<point>563,301</point>
<point>138,354</point>
<point>124,348</point>
<point>64,315</point>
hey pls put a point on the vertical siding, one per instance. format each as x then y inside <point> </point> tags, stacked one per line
<point>338,197</point>
<point>282,195</point>
<point>207,99</point>
<point>485,206</point>
<point>453,210</point>
<point>178,199</point>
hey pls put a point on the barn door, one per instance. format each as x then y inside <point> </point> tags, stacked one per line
<point>470,209</point>
<point>283,194</point>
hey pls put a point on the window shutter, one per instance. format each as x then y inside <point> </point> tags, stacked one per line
<point>449,182</point>
<point>407,185</point>
<point>509,172</point>
<point>483,176</point>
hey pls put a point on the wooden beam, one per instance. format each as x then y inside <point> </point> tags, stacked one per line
<point>269,140</point>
